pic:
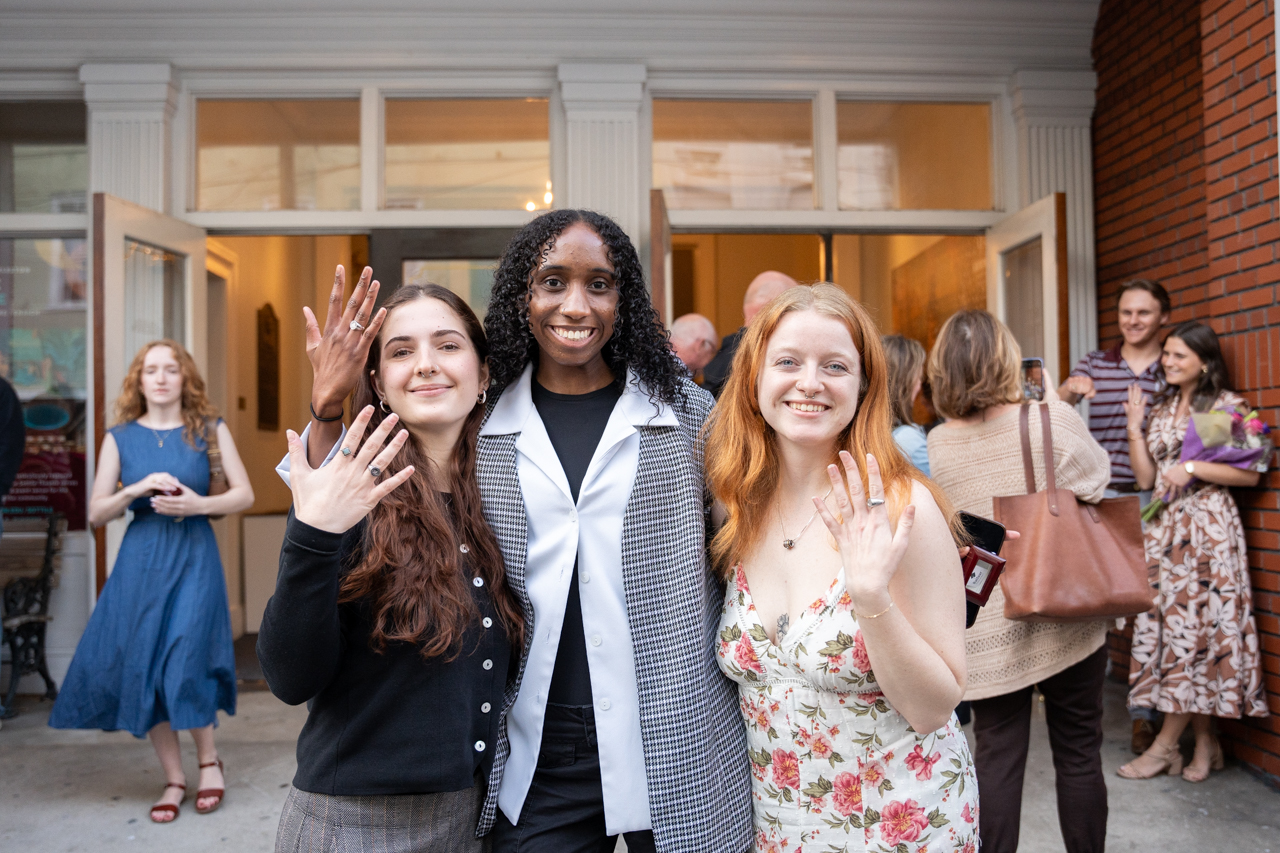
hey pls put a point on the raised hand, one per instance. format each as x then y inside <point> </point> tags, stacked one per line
<point>338,354</point>
<point>336,496</point>
<point>1135,408</point>
<point>869,548</point>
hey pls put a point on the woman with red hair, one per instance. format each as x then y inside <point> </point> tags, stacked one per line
<point>848,647</point>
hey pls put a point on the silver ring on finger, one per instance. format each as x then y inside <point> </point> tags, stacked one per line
<point>375,470</point>
<point>355,326</point>
<point>872,503</point>
<point>346,451</point>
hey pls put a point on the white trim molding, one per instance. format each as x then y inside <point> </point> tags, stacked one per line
<point>131,107</point>
<point>1053,113</point>
<point>602,140</point>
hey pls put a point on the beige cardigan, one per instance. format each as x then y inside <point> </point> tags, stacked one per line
<point>975,463</point>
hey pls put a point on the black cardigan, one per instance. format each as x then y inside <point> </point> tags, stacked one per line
<point>389,723</point>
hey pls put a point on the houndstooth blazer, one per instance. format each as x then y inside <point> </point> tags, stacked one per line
<point>694,742</point>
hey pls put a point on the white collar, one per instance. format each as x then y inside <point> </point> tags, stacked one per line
<point>516,403</point>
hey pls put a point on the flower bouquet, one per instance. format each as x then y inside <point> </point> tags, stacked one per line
<point>1235,437</point>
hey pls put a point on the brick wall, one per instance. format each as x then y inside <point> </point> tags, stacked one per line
<point>1186,190</point>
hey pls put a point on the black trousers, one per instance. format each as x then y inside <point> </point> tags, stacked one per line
<point>564,810</point>
<point>1002,728</point>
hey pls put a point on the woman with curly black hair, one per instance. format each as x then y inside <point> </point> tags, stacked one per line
<point>590,468</point>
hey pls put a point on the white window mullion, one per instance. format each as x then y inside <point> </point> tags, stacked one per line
<point>826,173</point>
<point>371,148</point>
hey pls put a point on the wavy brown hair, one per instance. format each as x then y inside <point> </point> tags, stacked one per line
<point>905,360</point>
<point>976,363</point>
<point>411,572</point>
<point>742,455</point>
<point>198,414</point>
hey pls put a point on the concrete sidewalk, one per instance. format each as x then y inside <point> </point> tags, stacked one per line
<point>90,791</point>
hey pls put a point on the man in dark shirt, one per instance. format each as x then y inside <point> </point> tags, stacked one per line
<point>13,438</point>
<point>760,292</point>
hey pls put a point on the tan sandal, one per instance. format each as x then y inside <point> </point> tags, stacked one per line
<point>168,808</point>
<point>1216,762</point>
<point>1170,762</point>
<point>208,793</point>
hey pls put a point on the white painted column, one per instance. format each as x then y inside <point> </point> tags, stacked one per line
<point>1053,113</point>
<point>602,142</point>
<point>131,108</point>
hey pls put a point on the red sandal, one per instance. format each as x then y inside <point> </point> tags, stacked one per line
<point>168,808</point>
<point>206,793</point>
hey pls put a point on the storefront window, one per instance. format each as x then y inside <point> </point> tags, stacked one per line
<point>470,279</point>
<point>278,155</point>
<point>914,156</point>
<point>467,155</point>
<point>42,354</point>
<point>734,155</point>
<point>44,162</point>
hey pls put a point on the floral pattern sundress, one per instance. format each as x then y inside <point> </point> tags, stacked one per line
<point>1196,651</point>
<point>834,766</point>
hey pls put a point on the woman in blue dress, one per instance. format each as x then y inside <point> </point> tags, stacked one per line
<point>157,655</point>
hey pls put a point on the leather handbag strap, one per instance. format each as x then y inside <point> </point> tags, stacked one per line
<point>1050,480</point>
<point>1024,429</point>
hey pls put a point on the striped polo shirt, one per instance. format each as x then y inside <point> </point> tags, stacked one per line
<point>1111,380</point>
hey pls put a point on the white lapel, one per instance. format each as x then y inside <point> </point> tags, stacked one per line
<point>515,413</point>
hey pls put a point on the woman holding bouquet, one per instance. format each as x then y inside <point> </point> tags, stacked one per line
<point>1195,654</point>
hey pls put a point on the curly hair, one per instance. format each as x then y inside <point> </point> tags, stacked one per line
<point>198,414</point>
<point>639,341</point>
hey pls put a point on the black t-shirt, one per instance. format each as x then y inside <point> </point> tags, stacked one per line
<point>575,424</point>
<point>13,433</point>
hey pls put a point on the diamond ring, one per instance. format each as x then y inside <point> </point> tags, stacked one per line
<point>355,326</point>
<point>872,503</point>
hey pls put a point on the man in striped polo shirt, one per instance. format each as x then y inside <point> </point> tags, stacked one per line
<point>1103,378</point>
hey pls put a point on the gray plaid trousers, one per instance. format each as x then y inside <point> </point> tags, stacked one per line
<point>694,741</point>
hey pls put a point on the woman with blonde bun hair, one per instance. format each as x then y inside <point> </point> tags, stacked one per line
<point>157,656</point>
<point>847,648</point>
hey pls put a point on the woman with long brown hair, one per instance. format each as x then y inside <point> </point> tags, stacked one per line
<point>156,657</point>
<point>392,617</point>
<point>848,649</point>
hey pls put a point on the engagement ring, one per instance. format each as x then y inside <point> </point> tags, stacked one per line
<point>356,327</point>
<point>872,503</point>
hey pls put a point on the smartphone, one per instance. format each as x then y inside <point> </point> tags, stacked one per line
<point>1033,379</point>
<point>982,565</point>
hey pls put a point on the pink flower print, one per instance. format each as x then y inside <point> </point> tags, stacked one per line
<point>744,655</point>
<point>740,580</point>
<point>820,746</point>
<point>860,660</point>
<point>970,846</point>
<point>847,796</point>
<point>873,774</point>
<point>967,814</point>
<point>922,764</point>
<point>786,769</point>
<point>902,821</point>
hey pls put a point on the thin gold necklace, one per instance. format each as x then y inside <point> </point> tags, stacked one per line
<point>159,440</point>
<point>791,543</point>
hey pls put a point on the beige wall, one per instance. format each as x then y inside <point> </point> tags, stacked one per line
<point>288,272</point>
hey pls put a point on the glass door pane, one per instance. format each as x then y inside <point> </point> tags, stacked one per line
<point>154,295</point>
<point>1024,296</point>
<point>471,279</point>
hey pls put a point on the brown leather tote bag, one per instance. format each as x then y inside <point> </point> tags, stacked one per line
<point>1075,562</point>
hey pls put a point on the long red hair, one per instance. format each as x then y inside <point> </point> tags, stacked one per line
<point>741,454</point>
<point>198,414</point>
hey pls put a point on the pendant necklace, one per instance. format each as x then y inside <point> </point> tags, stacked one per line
<point>791,543</point>
<point>159,440</point>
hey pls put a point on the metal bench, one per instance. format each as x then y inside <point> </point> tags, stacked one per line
<point>30,557</point>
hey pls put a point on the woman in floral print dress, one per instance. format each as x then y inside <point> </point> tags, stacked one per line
<point>1195,654</point>
<point>846,639</point>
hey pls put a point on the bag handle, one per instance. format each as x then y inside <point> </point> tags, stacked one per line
<point>1050,480</point>
<point>1024,430</point>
